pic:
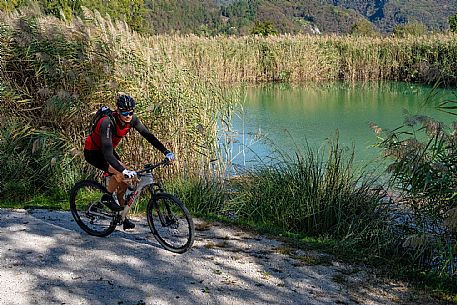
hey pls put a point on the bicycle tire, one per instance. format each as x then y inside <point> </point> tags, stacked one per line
<point>87,210</point>
<point>166,215</point>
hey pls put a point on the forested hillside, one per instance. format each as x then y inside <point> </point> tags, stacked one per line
<point>210,17</point>
<point>387,13</point>
<point>206,17</point>
<point>289,16</point>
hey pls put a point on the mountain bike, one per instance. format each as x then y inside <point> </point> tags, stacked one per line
<point>169,220</point>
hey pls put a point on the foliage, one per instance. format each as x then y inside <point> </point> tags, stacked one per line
<point>133,12</point>
<point>193,16</point>
<point>144,16</point>
<point>10,5</point>
<point>453,23</point>
<point>34,161</point>
<point>413,29</point>
<point>61,8</point>
<point>202,196</point>
<point>53,74</point>
<point>363,28</point>
<point>204,17</point>
<point>314,195</point>
<point>423,153</point>
<point>264,29</point>
<point>386,15</point>
<point>286,16</point>
<point>239,17</point>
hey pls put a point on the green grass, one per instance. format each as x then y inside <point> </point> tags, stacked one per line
<point>40,202</point>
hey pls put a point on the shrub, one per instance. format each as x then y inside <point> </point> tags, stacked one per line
<point>306,195</point>
<point>423,173</point>
<point>412,29</point>
<point>364,27</point>
<point>453,23</point>
<point>264,29</point>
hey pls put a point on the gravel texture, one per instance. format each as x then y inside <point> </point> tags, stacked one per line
<point>45,258</point>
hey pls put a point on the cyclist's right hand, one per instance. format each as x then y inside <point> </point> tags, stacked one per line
<point>128,173</point>
<point>170,156</point>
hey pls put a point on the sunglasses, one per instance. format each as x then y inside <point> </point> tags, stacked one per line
<point>127,113</point>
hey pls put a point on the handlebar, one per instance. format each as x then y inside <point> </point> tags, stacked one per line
<point>150,167</point>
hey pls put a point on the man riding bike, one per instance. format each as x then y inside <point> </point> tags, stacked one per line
<point>99,150</point>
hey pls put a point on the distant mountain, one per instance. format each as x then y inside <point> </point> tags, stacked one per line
<point>289,16</point>
<point>211,17</point>
<point>385,14</point>
<point>338,16</point>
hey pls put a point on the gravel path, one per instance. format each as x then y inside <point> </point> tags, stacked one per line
<point>46,259</point>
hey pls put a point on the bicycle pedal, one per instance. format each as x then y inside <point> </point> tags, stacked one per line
<point>128,225</point>
<point>108,201</point>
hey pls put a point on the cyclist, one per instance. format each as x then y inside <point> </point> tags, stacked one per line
<point>99,150</point>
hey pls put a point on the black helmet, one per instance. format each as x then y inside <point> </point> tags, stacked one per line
<point>125,102</point>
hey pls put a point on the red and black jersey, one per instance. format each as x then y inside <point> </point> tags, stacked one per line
<point>105,138</point>
<point>93,141</point>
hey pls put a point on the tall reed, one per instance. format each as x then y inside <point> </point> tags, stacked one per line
<point>54,75</point>
<point>303,58</point>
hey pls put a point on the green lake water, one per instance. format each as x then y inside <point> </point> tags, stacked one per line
<point>286,117</point>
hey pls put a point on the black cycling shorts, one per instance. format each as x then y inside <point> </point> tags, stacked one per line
<point>96,158</point>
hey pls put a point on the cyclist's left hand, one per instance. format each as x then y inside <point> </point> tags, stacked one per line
<point>170,156</point>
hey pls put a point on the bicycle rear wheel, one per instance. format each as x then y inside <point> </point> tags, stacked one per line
<point>89,213</point>
<point>170,223</point>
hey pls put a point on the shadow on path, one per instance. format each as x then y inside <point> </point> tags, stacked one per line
<point>46,259</point>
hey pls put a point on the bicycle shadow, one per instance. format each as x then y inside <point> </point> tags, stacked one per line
<point>56,263</point>
<point>64,220</point>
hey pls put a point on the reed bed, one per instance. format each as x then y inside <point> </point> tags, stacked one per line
<point>305,58</point>
<point>54,75</point>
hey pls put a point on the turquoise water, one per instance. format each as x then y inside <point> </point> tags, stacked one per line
<point>290,118</point>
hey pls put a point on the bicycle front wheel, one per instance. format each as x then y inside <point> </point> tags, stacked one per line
<point>170,223</point>
<point>87,210</point>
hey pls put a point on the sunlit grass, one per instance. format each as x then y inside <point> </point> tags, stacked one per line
<point>38,202</point>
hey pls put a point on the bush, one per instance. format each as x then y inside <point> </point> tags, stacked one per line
<point>423,173</point>
<point>410,29</point>
<point>453,23</point>
<point>364,27</point>
<point>264,29</point>
<point>305,195</point>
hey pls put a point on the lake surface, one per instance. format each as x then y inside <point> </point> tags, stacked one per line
<point>285,117</point>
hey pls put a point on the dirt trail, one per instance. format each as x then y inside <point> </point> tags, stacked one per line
<point>46,259</point>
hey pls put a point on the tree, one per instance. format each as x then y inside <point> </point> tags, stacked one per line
<point>412,28</point>
<point>264,28</point>
<point>364,27</point>
<point>10,5</point>
<point>59,7</point>
<point>453,23</point>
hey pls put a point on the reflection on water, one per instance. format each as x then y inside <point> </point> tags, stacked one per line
<point>289,117</point>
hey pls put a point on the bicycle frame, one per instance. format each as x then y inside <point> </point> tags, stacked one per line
<point>168,219</point>
<point>146,179</point>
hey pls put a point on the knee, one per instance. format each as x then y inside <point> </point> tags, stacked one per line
<point>118,177</point>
